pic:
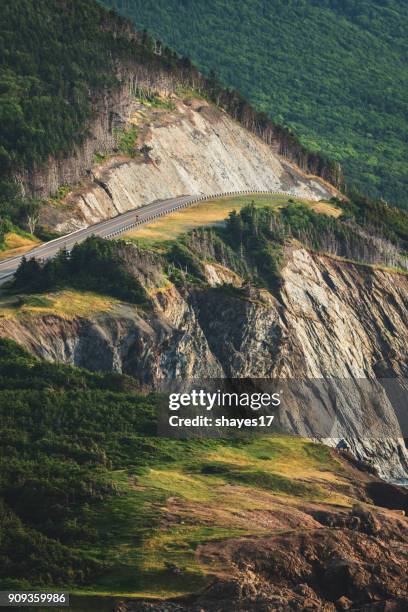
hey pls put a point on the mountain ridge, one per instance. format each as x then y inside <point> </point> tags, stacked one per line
<point>55,123</point>
<point>335,72</point>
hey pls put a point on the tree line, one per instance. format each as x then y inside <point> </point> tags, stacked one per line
<point>56,59</point>
<point>94,265</point>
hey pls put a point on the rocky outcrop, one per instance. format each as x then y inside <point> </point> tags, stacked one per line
<point>330,319</point>
<point>315,556</point>
<point>348,568</point>
<point>195,149</point>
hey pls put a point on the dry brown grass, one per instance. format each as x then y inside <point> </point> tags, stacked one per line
<point>66,304</point>
<point>17,245</point>
<point>211,213</point>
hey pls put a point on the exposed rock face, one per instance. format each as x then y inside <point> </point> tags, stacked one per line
<point>315,557</point>
<point>196,149</point>
<point>330,319</point>
<point>321,569</point>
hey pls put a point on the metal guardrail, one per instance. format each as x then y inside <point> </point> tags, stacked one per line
<point>191,202</point>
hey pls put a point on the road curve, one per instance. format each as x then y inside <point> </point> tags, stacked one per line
<point>115,226</point>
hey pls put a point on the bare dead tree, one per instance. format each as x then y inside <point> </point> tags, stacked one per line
<point>32,221</point>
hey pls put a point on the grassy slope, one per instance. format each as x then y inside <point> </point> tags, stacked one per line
<point>204,493</point>
<point>345,59</point>
<point>66,303</point>
<point>123,510</point>
<point>18,243</point>
<point>211,213</point>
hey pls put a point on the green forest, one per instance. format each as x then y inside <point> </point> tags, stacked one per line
<point>334,71</point>
<point>61,432</point>
<point>94,265</point>
<point>55,56</point>
<point>86,482</point>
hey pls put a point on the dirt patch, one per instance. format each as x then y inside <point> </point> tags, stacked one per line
<point>274,517</point>
<point>314,557</point>
<point>321,569</point>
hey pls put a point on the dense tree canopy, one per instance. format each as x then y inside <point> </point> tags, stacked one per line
<point>55,55</point>
<point>94,265</point>
<point>62,431</point>
<point>52,53</point>
<point>335,71</point>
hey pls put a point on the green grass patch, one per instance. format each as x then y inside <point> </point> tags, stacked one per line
<point>153,100</point>
<point>34,301</point>
<point>135,507</point>
<point>60,194</point>
<point>99,158</point>
<point>274,482</point>
<point>64,303</point>
<point>127,140</point>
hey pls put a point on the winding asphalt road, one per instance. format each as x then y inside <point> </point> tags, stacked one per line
<point>113,227</point>
<point>105,229</point>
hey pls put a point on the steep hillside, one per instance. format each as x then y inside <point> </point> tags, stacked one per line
<point>334,71</point>
<point>93,501</point>
<point>307,287</point>
<point>55,56</point>
<point>71,74</point>
<point>201,312</point>
<point>171,146</point>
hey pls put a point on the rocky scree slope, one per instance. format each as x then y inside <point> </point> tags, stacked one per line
<point>195,148</point>
<point>328,319</point>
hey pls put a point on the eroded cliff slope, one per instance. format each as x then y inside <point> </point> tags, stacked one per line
<point>328,319</point>
<point>177,146</point>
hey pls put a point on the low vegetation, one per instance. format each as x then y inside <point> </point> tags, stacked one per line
<point>92,499</point>
<point>94,265</point>
<point>153,100</point>
<point>15,241</point>
<point>60,194</point>
<point>127,141</point>
<point>65,303</point>
<point>212,213</point>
